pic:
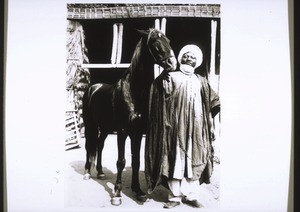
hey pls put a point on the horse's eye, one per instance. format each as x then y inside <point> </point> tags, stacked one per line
<point>159,35</point>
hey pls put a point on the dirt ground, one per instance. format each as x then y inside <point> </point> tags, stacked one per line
<point>96,194</point>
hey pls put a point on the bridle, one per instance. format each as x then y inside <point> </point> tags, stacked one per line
<point>158,61</point>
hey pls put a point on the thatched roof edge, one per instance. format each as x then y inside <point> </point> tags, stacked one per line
<point>111,11</point>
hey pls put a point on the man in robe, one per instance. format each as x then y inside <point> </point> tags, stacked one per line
<point>178,151</point>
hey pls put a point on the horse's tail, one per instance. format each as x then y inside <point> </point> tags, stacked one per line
<point>90,125</point>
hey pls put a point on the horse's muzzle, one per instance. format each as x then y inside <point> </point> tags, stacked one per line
<point>170,63</point>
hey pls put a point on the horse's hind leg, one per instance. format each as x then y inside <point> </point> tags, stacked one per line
<point>116,199</point>
<point>135,163</point>
<point>101,140</point>
<point>91,136</point>
<point>87,172</point>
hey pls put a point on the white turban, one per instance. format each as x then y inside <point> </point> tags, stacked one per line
<point>195,50</point>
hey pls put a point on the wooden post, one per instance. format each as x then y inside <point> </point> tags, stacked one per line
<point>114,44</point>
<point>120,42</point>
<point>163,25</point>
<point>214,82</point>
<point>157,24</point>
<point>214,79</point>
<point>156,67</point>
<point>163,30</point>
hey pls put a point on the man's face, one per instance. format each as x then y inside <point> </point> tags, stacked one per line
<point>188,59</point>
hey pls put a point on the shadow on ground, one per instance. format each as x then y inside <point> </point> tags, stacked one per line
<point>108,183</point>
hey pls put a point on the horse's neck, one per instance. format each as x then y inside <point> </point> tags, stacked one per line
<point>142,74</point>
<point>136,83</point>
<point>142,78</point>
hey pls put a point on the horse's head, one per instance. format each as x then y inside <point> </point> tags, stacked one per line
<point>160,49</point>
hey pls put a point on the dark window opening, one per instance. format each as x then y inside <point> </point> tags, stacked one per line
<point>180,31</point>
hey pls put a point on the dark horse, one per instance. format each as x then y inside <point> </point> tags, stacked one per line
<point>122,107</point>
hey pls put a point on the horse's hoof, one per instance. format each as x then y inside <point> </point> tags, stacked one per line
<point>101,176</point>
<point>116,201</point>
<point>87,176</point>
<point>140,195</point>
<point>142,198</point>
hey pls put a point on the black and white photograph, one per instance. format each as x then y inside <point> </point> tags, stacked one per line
<point>147,105</point>
<point>119,58</point>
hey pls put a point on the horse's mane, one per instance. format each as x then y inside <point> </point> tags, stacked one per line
<point>138,75</point>
<point>136,55</point>
<point>134,61</point>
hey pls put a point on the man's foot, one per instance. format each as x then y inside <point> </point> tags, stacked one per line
<point>195,203</point>
<point>171,204</point>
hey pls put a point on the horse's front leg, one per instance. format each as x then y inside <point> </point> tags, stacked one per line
<point>117,198</point>
<point>136,139</point>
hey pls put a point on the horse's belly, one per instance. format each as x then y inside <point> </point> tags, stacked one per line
<point>108,109</point>
<point>103,110</point>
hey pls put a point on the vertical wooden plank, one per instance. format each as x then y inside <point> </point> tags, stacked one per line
<point>163,25</point>
<point>157,24</point>
<point>120,42</point>
<point>114,44</point>
<point>156,67</point>
<point>214,81</point>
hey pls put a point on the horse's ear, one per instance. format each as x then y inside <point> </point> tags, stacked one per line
<point>142,32</point>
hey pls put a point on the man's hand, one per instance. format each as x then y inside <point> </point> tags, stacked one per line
<point>165,75</point>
